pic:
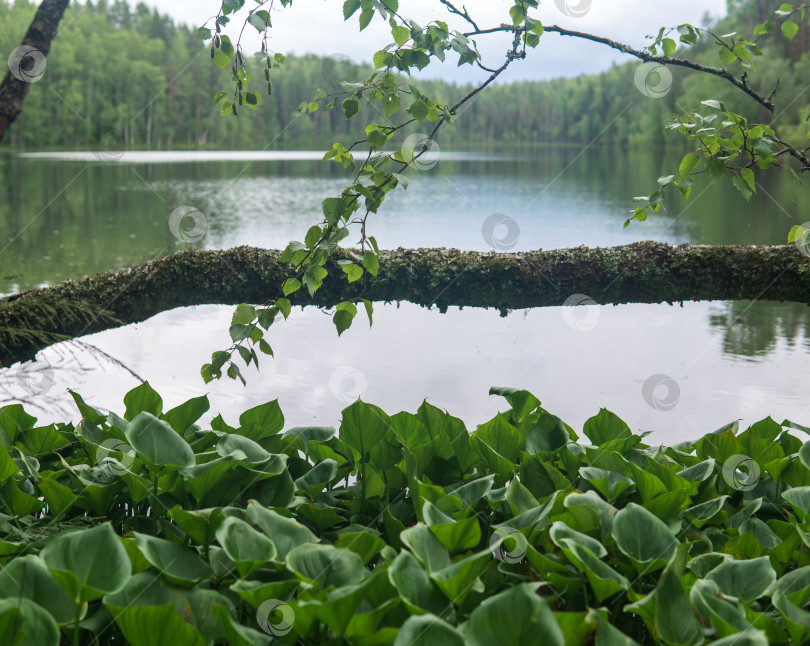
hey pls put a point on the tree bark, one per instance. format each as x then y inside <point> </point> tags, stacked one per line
<point>41,32</point>
<point>645,272</point>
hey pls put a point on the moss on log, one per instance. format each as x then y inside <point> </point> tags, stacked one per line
<point>646,272</point>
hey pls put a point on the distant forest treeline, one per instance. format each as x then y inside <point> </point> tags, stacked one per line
<point>131,78</point>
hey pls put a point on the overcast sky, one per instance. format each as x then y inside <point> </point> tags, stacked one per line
<point>316,26</point>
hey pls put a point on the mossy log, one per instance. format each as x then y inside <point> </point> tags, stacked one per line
<point>645,272</point>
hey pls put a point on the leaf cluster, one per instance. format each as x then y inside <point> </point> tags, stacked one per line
<point>397,529</point>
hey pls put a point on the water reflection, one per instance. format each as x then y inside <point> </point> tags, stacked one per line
<point>755,329</point>
<point>67,219</point>
<point>452,359</point>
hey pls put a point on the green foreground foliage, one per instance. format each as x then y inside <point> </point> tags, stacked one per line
<point>406,529</point>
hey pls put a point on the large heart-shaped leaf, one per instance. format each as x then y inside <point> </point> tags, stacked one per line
<point>246,547</point>
<point>201,525</point>
<point>427,630</point>
<point>142,398</point>
<point>726,615</point>
<point>456,536</point>
<point>363,426</point>
<point>149,591</point>
<point>182,416</point>
<point>28,577</point>
<point>261,421</point>
<point>25,623</point>
<point>286,533</point>
<point>413,584</point>
<point>88,563</point>
<point>156,626</point>
<point>253,452</point>
<point>605,427</point>
<point>458,580</point>
<point>426,547</point>
<point>747,580</point>
<point>503,438</point>
<point>668,607</point>
<point>494,623</point>
<point>799,499</point>
<point>326,565</point>
<point>643,537</point>
<point>157,443</point>
<point>611,484</point>
<point>176,563</point>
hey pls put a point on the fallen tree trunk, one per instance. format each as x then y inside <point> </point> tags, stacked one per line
<point>646,272</point>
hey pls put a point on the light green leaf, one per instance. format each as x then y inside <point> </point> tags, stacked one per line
<point>142,398</point>
<point>157,443</point>
<point>790,29</point>
<point>24,623</point>
<point>246,547</point>
<point>688,163</point>
<point>178,564</point>
<point>290,285</point>
<point>643,537</point>
<point>88,563</point>
<point>326,565</point>
<point>493,622</point>
<point>428,630</point>
<point>747,580</point>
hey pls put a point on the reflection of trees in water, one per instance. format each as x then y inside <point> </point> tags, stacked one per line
<point>753,329</point>
<point>41,385</point>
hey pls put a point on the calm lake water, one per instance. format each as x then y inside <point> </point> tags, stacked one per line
<point>679,371</point>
